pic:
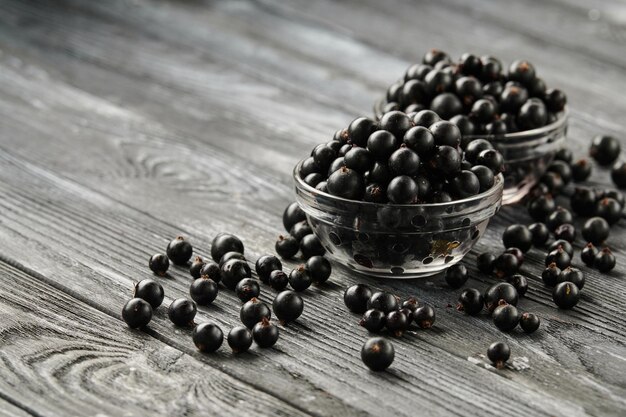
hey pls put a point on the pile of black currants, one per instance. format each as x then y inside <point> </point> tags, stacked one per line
<point>476,94</point>
<point>402,159</point>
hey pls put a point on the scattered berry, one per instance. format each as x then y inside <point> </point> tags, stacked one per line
<point>159,264</point>
<point>605,149</point>
<point>605,260</point>
<point>356,298</point>
<point>540,233</point>
<point>179,251</point>
<point>137,313</point>
<point>288,306</point>
<point>618,174</point>
<point>383,301</point>
<point>265,334</point>
<point>233,271</point>
<point>203,290</point>
<point>265,265</point>
<point>151,291</point>
<point>560,257</point>
<point>247,289</point>
<point>566,232</point>
<point>278,280</point>
<point>182,312</point>
<point>588,254</point>
<point>550,275</point>
<point>581,170</point>
<point>286,247</point>
<point>485,262</point>
<point>471,301</point>
<point>377,354</point>
<point>396,322</point>
<point>500,291</point>
<point>573,275</point>
<point>519,282</point>
<point>224,243</point>
<point>373,320</point>
<point>596,230</point>
<point>254,311</point>
<point>456,276</point>
<point>506,317</point>
<point>311,246</point>
<point>239,339</point>
<point>293,214</point>
<point>299,278</point>
<point>211,270</point>
<point>498,353</point>
<point>319,269</point>
<point>424,316</point>
<point>506,264</point>
<point>196,267</point>
<point>565,295</point>
<point>529,322</point>
<point>207,337</point>
<point>609,209</point>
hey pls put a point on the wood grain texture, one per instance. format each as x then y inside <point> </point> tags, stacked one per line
<point>121,112</point>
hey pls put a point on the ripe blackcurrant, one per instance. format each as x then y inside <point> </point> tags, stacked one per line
<point>559,216</point>
<point>500,291</point>
<point>498,353</point>
<point>278,280</point>
<point>492,159</point>
<point>424,316</point>
<point>377,354</point>
<point>540,233</point>
<point>529,322</point>
<point>447,105</point>
<point>517,236</point>
<point>233,271</point>
<point>565,295</point>
<point>596,230</point>
<point>588,254</point>
<point>506,264</point>
<point>159,264</point>
<point>551,274</point>
<point>609,209</point>
<point>573,275</point>
<point>247,288</point>
<point>196,267</point>
<point>396,322</point>
<point>207,337</point>
<point>288,306</point>
<point>319,269</point>
<point>456,276</point>
<point>137,313</point>
<point>581,170</point>
<point>346,183</point>
<point>359,160</point>
<point>211,270</point>
<point>311,246</point>
<point>404,161</point>
<point>286,247</point>
<point>618,174</point>
<point>471,301</point>
<point>239,339</point>
<point>420,140</point>
<point>402,190</point>
<point>182,312</point>
<point>150,291</point>
<point>356,298</point>
<point>383,301</point>
<point>373,320</point>
<point>360,129</point>
<point>293,214</point>
<point>223,243</point>
<point>506,317</point>
<point>265,334</point>
<point>560,257</point>
<point>254,311</point>
<point>395,122</point>
<point>540,207</point>
<point>605,149</point>
<point>583,201</point>
<point>179,251</point>
<point>565,232</point>
<point>265,265</point>
<point>299,278</point>
<point>605,260</point>
<point>203,290</point>
<point>567,246</point>
<point>231,255</point>
<point>466,184</point>
<point>519,282</point>
<point>300,230</point>
<point>485,262</point>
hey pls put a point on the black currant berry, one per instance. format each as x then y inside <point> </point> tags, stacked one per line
<point>286,247</point>
<point>265,334</point>
<point>239,339</point>
<point>383,301</point>
<point>581,170</point>
<point>541,207</point>
<point>224,243</point>
<point>323,155</point>
<point>471,301</point>
<point>492,159</point>
<point>555,100</point>
<point>211,270</point>
<point>151,291</point>
<point>500,291</point>
<point>207,337</point>
<point>609,209</point>
<point>456,276</point>
<point>560,257</point>
<point>550,275</point>
<point>438,81</point>
<point>421,141</point>
<point>288,306</point>
<point>319,269</point>
<point>565,295</point>
<point>179,251</point>
<point>346,183</point>
<point>447,105</point>
<point>532,115</point>
<point>196,267</point>
<point>404,161</point>
<point>519,282</point>
<point>605,260</point>
<point>299,278</point>
<point>475,147</point>
<point>313,179</point>
<point>583,201</point>
<point>182,312</point>
<point>483,111</point>
<point>359,160</point>
<point>614,194</point>
<point>485,176</point>
<point>562,169</point>
<point>618,174</point>
<point>517,236</point>
<point>447,161</point>
<point>337,164</point>
<point>233,271</point>
<point>203,290</point>
<point>567,247</point>
<point>424,316</point>
<point>506,317</point>
<point>300,230</point>
<point>396,322</point>
<point>159,264</point>
<point>410,303</point>
<point>498,353</point>
<point>596,230</point>
<point>540,233</point>
<point>402,190</point>
<point>485,262</point>
<point>311,246</point>
<point>435,55</point>
<point>247,288</point>
<point>373,320</point>
<point>558,217</point>
<point>278,280</point>
<point>506,264</point>
<point>356,298</point>
<point>265,265</point>
<point>605,149</point>
<point>512,98</point>
<point>446,133</point>
<point>413,93</point>
<point>564,154</point>
<point>377,354</point>
<point>395,122</point>
<point>360,129</point>
<point>137,313</point>
<point>588,254</point>
<point>552,181</point>
<point>375,193</point>
<point>254,311</point>
<point>573,275</point>
<point>565,232</point>
<point>529,322</point>
<point>231,255</point>
<point>465,184</point>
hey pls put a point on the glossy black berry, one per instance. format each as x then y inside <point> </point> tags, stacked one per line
<point>565,232</point>
<point>313,179</point>
<point>506,317</point>
<point>596,230</point>
<point>483,111</point>
<point>609,209</point>
<point>566,295</point>
<point>541,207</point>
<point>413,93</point>
<point>424,316</point>
<point>410,303</point>
<point>382,144</point>
<point>404,161</point>
<point>605,260</point>
<point>561,168</point>
<point>605,149</point>
<point>438,81</point>
<point>308,167</point>
<point>555,100</point>
<point>402,190</point>
<point>475,147</point>
<point>551,274</point>
<point>356,298</point>
<point>231,255</point>
<point>287,306</point>
<point>151,291</point>
<point>225,242</point>
<point>383,301</point>
<point>446,133</point>
<point>203,290</point>
<point>373,320</point>
<point>446,105</point>
<point>532,115</point>
<point>137,313</point>
<point>471,301</point>
<point>359,160</point>
<point>421,141</point>
<point>196,267</point>
<point>323,155</point>
<point>265,265</point>
<point>485,262</point>
<point>300,230</point>
<point>311,246</point>
<point>239,339</point>
<point>485,176</point>
<point>286,247</point>
<point>456,276</point>
<point>560,257</point>
<point>211,270</point>
<point>395,122</point>
<point>498,353</point>
<point>299,278</point>
<point>564,244</point>
<point>207,337</point>
<point>447,161</point>
<point>506,264</point>
<point>159,264</point>
<point>346,183</point>
<point>265,334</point>
<point>377,354</point>
<point>588,254</point>
<point>614,194</point>
<point>512,98</point>
<point>396,322</point>
<point>278,280</point>
<point>492,159</point>
<point>518,236</point>
<point>254,311</point>
<point>558,217</point>
<point>179,251</point>
<point>375,193</point>
<point>182,312</point>
<point>465,184</point>
<point>581,170</point>
<point>519,282</point>
<point>618,174</point>
<point>500,291</point>
<point>583,201</point>
<point>426,118</point>
<point>319,268</point>
<point>247,288</point>
<point>233,271</point>
<point>529,322</point>
<point>564,154</point>
<point>540,234</point>
<point>573,275</point>
<point>360,129</point>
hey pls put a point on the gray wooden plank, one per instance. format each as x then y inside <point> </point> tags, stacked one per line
<point>98,226</point>
<point>61,357</point>
<point>9,409</point>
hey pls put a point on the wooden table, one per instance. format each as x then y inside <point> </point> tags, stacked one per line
<point>126,123</point>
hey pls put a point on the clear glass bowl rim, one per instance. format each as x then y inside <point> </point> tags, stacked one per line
<point>497,188</point>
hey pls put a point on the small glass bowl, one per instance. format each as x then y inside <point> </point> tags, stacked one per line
<point>397,240</point>
<point>526,154</point>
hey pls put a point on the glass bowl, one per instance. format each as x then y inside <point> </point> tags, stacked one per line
<point>397,240</point>
<point>526,154</point>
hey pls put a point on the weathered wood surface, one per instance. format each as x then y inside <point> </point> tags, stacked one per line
<point>124,124</point>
